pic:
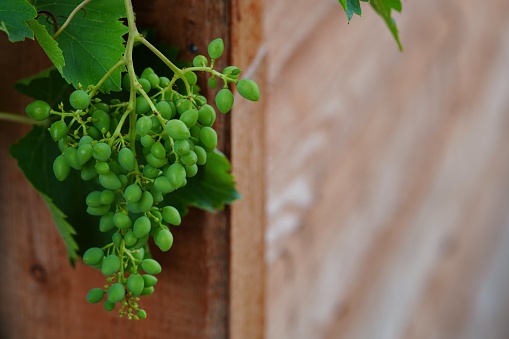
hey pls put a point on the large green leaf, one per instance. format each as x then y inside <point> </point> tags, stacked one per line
<point>66,200</point>
<point>14,15</point>
<point>48,44</point>
<point>92,43</point>
<point>210,189</point>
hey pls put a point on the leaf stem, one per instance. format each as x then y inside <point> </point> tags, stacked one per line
<point>18,118</point>
<point>71,16</point>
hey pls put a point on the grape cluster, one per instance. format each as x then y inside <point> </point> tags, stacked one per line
<point>138,151</point>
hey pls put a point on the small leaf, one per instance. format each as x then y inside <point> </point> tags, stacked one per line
<point>384,8</point>
<point>92,43</point>
<point>14,15</point>
<point>352,7</point>
<point>210,189</point>
<point>47,43</point>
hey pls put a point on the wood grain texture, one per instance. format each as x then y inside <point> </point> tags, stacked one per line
<point>387,175</point>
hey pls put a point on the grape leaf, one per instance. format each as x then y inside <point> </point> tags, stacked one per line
<point>210,189</point>
<point>92,43</point>
<point>35,153</point>
<point>384,8</point>
<point>14,15</point>
<point>47,85</point>
<point>352,7</point>
<point>48,44</point>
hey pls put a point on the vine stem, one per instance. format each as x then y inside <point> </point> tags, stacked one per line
<point>18,118</point>
<point>71,16</point>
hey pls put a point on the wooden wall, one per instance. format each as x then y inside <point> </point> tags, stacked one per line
<point>387,173</point>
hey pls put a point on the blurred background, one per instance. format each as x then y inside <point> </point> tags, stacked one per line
<point>387,172</point>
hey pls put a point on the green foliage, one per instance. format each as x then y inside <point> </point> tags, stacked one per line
<point>14,15</point>
<point>48,44</point>
<point>92,43</point>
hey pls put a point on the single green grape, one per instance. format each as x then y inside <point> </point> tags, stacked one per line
<point>58,130</point>
<point>191,78</point>
<point>102,106</point>
<point>142,314</point>
<point>142,105</point>
<point>135,284</point>
<point>126,159</point>
<point>146,201</point>
<point>206,115</point>
<point>102,167</point>
<point>110,264</point>
<point>95,295</point>
<point>99,210</point>
<point>164,240</point>
<point>162,184</point>
<point>143,125</point>
<point>150,172</point>
<point>151,266</point>
<point>224,100</point>
<point>212,82</point>
<point>191,171</point>
<point>164,82</point>
<point>122,220</point>
<point>107,197</point>
<point>201,155</point>
<point>84,153</point>
<point>154,80</point>
<point>155,162</point>
<point>116,293</point>
<point>60,168</point>
<point>208,137</point>
<point>38,110</point>
<point>130,239</point>
<point>149,280</point>
<point>147,140</point>
<point>171,215</point>
<point>110,181</point>
<point>70,155</point>
<point>88,171</point>
<point>133,193</point>
<point>184,105</point>
<point>108,305</point>
<point>181,147</point>
<point>79,99</point>
<point>232,72</point>
<point>248,89</point>
<point>106,222</point>
<point>101,151</point>
<point>165,109</point>
<point>101,121</point>
<point>200,61</point>
<point>177,129</point>
<point>142,227</point>
<point>176,174</point>
<point>190,117</point>
<point>145,84</point>
<point>189,158</point>
<point>93,256</point>
<point>216,48</point>
<point>157,150</point>
<point>94,199</point>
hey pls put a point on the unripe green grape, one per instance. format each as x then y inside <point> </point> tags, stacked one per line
<point>94,133</point>
<point>195,131</point>
<point>102,167</point>
<point>162,184</point>
<point>38,110</point>
<point>181,147</point>
<point>191,171</point>
<point>108,305</point>
<point>99,210</point>
<point>101,121</point>
<point>147,140</point>
<point>189,158</point>
<point>146,85</point>
<point>84,153</point>
<point>176,174</point>
<point>88,171</point>
<point>157,128</point>
<point>177,129</point>
<point>191,78</point>
<point>123,180</point>
<point>135,284</point>
<point>164,82</point>
<point>86,139</point>
<point>232,72</point>
<point>58,130</point>
<point>142,314</point>
<point>133,193</point>
<point>224,100</point>
<point>151,266</point>
<point>102,106</point>
<point>189,117</point>
<point>141,227</point>
<point>138,254</point>
<point>93,199</point>
<point>201,155</point>
<point>93,256</point>
<point>212,82</point>
<point>146,201</point>
<point>60,168</point>
<point>154,80</point>
<point>117,238</point>
<point>116,293</point>
<point>208,137</point>
<point>70,155</point>
<point>110,265</point>
<point>141,242</point>
<point>126,82</point>
<point>110,181</point>
<point>165,109</point>
<point>147,291</point>
<point>155,162</point>
<point>149,280</point>
<point>157,195</point>
<point>101,151</point>
<point>79,99</point>
<point>62,144</point>
<point>150,172</point>
<point>200,61</point>
<point>206,115</point>
<point>171,215</point>
<point>126,159</point>
<point>248,89</point>
<point>216,48</point>
<point>143,125</point>
<point>130,239</point>
<point>106,222</point>
<point>95,295</point>
<point>122,220</point>
<point>142,105</point>
<point>164,240</point>
<point>158,151</point>
<point>184,105</point>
